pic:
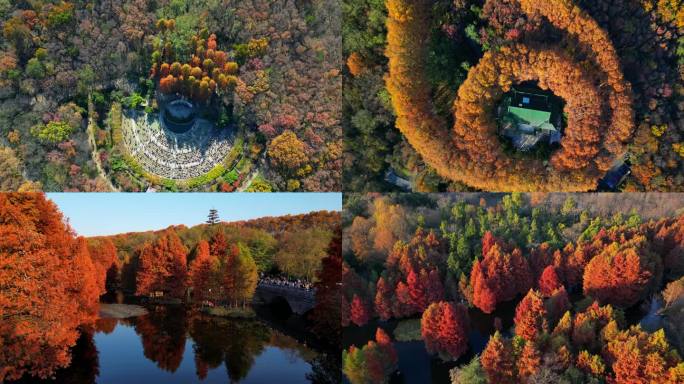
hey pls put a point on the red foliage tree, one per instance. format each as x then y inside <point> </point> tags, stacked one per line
<point>203,272</point>
<point>622,274</point>
<point>667,239</point>
<point>360,313</point>
<point>167,84</point>
<point>385,343</point>
<point>540,257</point>
<point>549,282</point>
<point>444,328</point>
<point>327,312</point>
<point>641,357</point>
<point>530,317</point>
<point>383,297</point>
<point>163,266</point>
<point>48,287</point>
<point>219,245</point>
<point>417,290</point>
<point>413,269</point>
<point>107,262</point>
<point>529,361</point>
<point>483,296</point>
<point>373,363</point>
<point>498,277</point>
<point>87,290</point>
<point>403,305</point>
<point>575,261</point>
<point>488,241</point>
<point>498,361</point>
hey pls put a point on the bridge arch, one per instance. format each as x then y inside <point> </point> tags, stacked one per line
<point>299,301</point>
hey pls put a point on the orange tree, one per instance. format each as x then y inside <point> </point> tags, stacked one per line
<point>202,272</point>
<point>207,72</point>
<point>48,287</point>
<point>287,151</point>
<point>163,266</point>
<point>590,343</point>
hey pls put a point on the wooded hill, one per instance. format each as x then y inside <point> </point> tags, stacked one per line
<point>293,244</point>
<point>571,274</point>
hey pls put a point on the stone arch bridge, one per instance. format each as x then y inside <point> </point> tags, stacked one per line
<point>300,300</point>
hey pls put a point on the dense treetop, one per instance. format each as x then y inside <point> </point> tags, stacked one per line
<point>49,286</point>
<point>292,244</point>
<point>572,264</point>
<point>430,69</point>
<point>69,70</point>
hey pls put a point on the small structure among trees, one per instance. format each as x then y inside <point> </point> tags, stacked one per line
<point>530,116</point>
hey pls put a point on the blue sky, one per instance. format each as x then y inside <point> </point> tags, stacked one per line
<point>92,214</point>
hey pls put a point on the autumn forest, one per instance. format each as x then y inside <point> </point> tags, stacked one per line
<point>275,278</point>
<point>428,87</point>
<point>513,288</point>
<point>171,95</point>
<point>342,191</point>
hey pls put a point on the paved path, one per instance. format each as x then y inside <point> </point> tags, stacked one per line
<point>92,126</point>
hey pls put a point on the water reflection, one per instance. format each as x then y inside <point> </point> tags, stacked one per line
<point>653,319</point>
<point>87,369</point>
<point>234,343</point>
<point>162,332</point>
<point>171,345</point>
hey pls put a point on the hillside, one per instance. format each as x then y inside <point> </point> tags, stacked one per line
<point>291,245</point>
<point>246,94</point>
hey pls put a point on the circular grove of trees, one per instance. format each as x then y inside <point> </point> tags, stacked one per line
<point>598,100</point>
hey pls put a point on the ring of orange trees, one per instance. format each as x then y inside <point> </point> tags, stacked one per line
<point>476,128</point>
<point>598,101</point>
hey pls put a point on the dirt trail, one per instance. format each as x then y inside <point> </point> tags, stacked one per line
<point>92,125</point>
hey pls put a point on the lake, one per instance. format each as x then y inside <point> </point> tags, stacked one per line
<point>172,345</point>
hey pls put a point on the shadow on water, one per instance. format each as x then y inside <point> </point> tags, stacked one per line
<point>85,370</point>
<point>646,314</point>
<point>326,367</point>
<point>173,345</point>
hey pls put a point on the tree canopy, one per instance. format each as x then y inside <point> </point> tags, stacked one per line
<point>49,286</point>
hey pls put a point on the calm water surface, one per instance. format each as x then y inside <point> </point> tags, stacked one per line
<point>122,359</point>
<point>173,346</point>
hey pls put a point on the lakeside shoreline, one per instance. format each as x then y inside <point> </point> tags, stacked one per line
<point>121,311</point>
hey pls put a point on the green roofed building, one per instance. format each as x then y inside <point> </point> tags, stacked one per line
<point>529,116</point>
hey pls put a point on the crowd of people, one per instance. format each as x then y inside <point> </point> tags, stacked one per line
<point>283,281</point>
